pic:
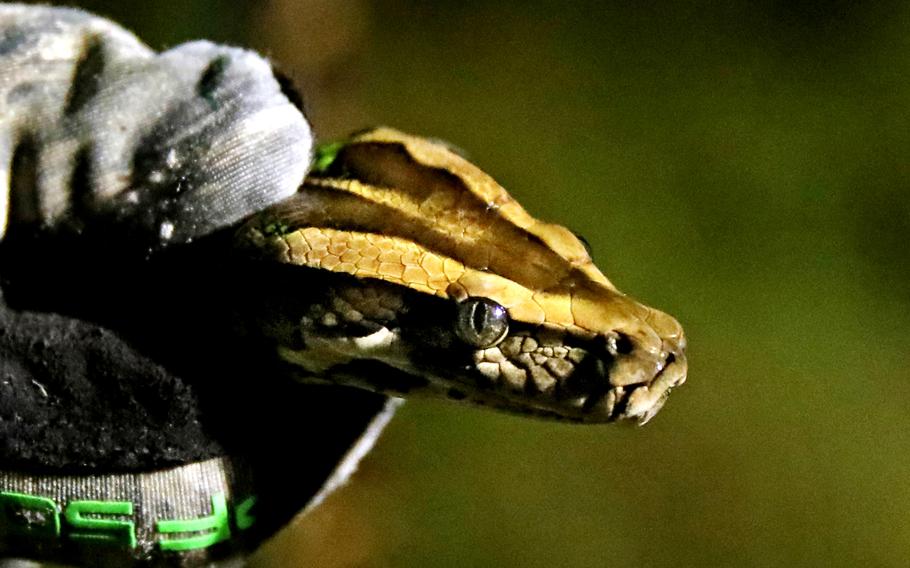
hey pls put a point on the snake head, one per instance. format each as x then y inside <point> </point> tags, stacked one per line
<point>417,274</point>
<point>623,361</point>
<point>609,359</point>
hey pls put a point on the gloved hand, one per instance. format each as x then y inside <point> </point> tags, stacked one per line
<point>110,459</point>
<point>135,428</point>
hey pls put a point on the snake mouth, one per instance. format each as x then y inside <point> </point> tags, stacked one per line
<point>619,399</point>
<point>639,402</point>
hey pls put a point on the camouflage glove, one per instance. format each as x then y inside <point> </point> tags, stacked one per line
<point>128,434</point>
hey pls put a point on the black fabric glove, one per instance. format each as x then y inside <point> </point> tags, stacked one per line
<point>109,459</point>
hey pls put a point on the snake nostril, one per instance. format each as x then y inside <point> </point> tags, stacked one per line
<point>671,358</point>
<point>617,343</point>
<point>624,344</point>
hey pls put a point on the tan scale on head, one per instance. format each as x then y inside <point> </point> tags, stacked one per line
<point>531,324</point>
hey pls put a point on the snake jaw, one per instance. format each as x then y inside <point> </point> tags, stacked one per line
<point>638,384</point>
<point>642,402</point>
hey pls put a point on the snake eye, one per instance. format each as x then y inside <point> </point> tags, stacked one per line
<point>481,322</point>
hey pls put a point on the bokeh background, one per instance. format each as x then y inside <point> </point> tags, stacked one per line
<point>744,166</point>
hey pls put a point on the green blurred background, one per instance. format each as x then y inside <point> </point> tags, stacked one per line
<point>743,166</point>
